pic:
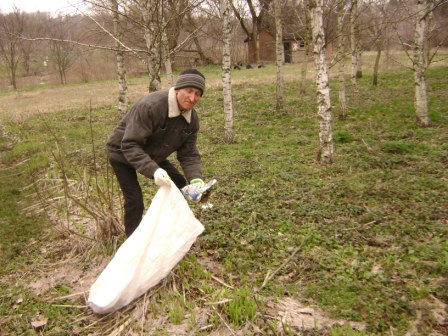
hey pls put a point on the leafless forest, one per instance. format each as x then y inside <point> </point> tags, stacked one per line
<point>38,48</point>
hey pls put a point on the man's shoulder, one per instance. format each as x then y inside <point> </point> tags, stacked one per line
<point>153,101</point>
<point>155,96</point>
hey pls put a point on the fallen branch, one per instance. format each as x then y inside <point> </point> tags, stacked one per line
<point>70,306</point>
<point>270,275</point>
<point>223,321</point>
<point>221,282</point>
<point>66,296</point>
<point>217,302</point>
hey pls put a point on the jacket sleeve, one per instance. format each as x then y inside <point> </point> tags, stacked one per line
<point>139,127</point>
<point>189,158</point>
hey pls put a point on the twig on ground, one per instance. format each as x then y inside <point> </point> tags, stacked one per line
<point>369,149</point>
<point>221,282</point>
<point>270,275</point>
<point>363,226</point>
<point>69,306</point>
<point>263,316</point>
<point>216,303</point>
<point>224,321</point>
<point>66,296</point>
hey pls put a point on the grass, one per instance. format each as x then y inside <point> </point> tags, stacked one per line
<point>373,224</point>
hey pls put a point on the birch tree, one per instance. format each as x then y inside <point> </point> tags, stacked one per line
<point>121,69</point>
<point>325,151</point>
<point>226,73</point>
<point>340,56</point>
<point>167,59</point>
<point>307,41</point>
<point>421,56</point>
<point>151,12</point>
<point>280,57</point>
<point>420,62</point>
<point>354,43</point>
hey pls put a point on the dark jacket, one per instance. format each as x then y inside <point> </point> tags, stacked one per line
<point>146,136</point>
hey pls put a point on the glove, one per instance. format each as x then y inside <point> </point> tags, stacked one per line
<point>193,191</point>
<point>198,182</point>
<point>161,177</point>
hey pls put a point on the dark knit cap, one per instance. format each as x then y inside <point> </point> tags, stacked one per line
<point>191,78</point>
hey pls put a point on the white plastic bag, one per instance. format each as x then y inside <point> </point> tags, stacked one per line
<point>164,236</point>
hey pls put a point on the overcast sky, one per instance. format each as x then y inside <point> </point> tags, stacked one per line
<point>52,6</point>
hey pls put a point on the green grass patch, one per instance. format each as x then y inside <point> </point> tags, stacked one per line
<point>373,222</point>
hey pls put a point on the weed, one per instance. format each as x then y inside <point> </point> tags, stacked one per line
<point>242,307</point>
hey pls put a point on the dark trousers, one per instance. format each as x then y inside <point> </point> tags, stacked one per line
<point>132,192</point>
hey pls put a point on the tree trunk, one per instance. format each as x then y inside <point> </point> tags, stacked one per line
<point>256,43</point>
<point>167,58</point>
<point>341,60</point>
<point>226,70</point>
<point>377,65</point>
<point>121,69</point>
<point>202,57</point>
<point>304,70</point>
<point>325,152</point>
<point>280,58</point>
<point>424,8</point>
<point>354,43</point>
<point>150,11</point>
<point>307,42</point>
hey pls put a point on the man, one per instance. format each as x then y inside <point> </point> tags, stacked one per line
<point>157,125</point>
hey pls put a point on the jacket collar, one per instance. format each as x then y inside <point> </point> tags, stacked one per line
<point>173,107</point>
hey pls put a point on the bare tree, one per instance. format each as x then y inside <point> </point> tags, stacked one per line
<point>259,13</point>
<point>151,10</point>
<point>33,27</point>
<point>307,40</point>
<point>421,12</point>
<point>12,26</point>
<point>121,69</point>
<point>62,53</point>
<point>226,76</point>
<point>325,151</point>
<point>379,21</point>
<point>354,43</point>
<point>340,56</point>
<point>280,57</point>
<point>420,62</point>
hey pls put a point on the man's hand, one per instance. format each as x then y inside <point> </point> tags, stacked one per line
<point>198,182</point>
<point>161,177</point>
<point>193,191</point>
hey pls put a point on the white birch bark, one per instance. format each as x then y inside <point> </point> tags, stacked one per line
<point>226,72</point>
<point>326,151</point>
<point>167,58</point>
<point>424,8</point>
<point>341,60</point>
<point>150,10</point>
<point>280,57</point>
<point>354,43</point>
<point>307,41</point>
<point>121,69</point>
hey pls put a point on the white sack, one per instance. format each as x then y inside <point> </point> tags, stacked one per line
<point>164,236</point>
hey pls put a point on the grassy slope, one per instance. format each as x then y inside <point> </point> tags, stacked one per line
<point>374,222</point>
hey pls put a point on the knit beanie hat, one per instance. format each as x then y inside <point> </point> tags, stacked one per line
<point>191,78</point>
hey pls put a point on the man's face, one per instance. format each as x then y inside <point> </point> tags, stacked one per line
<point>187,97</point>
